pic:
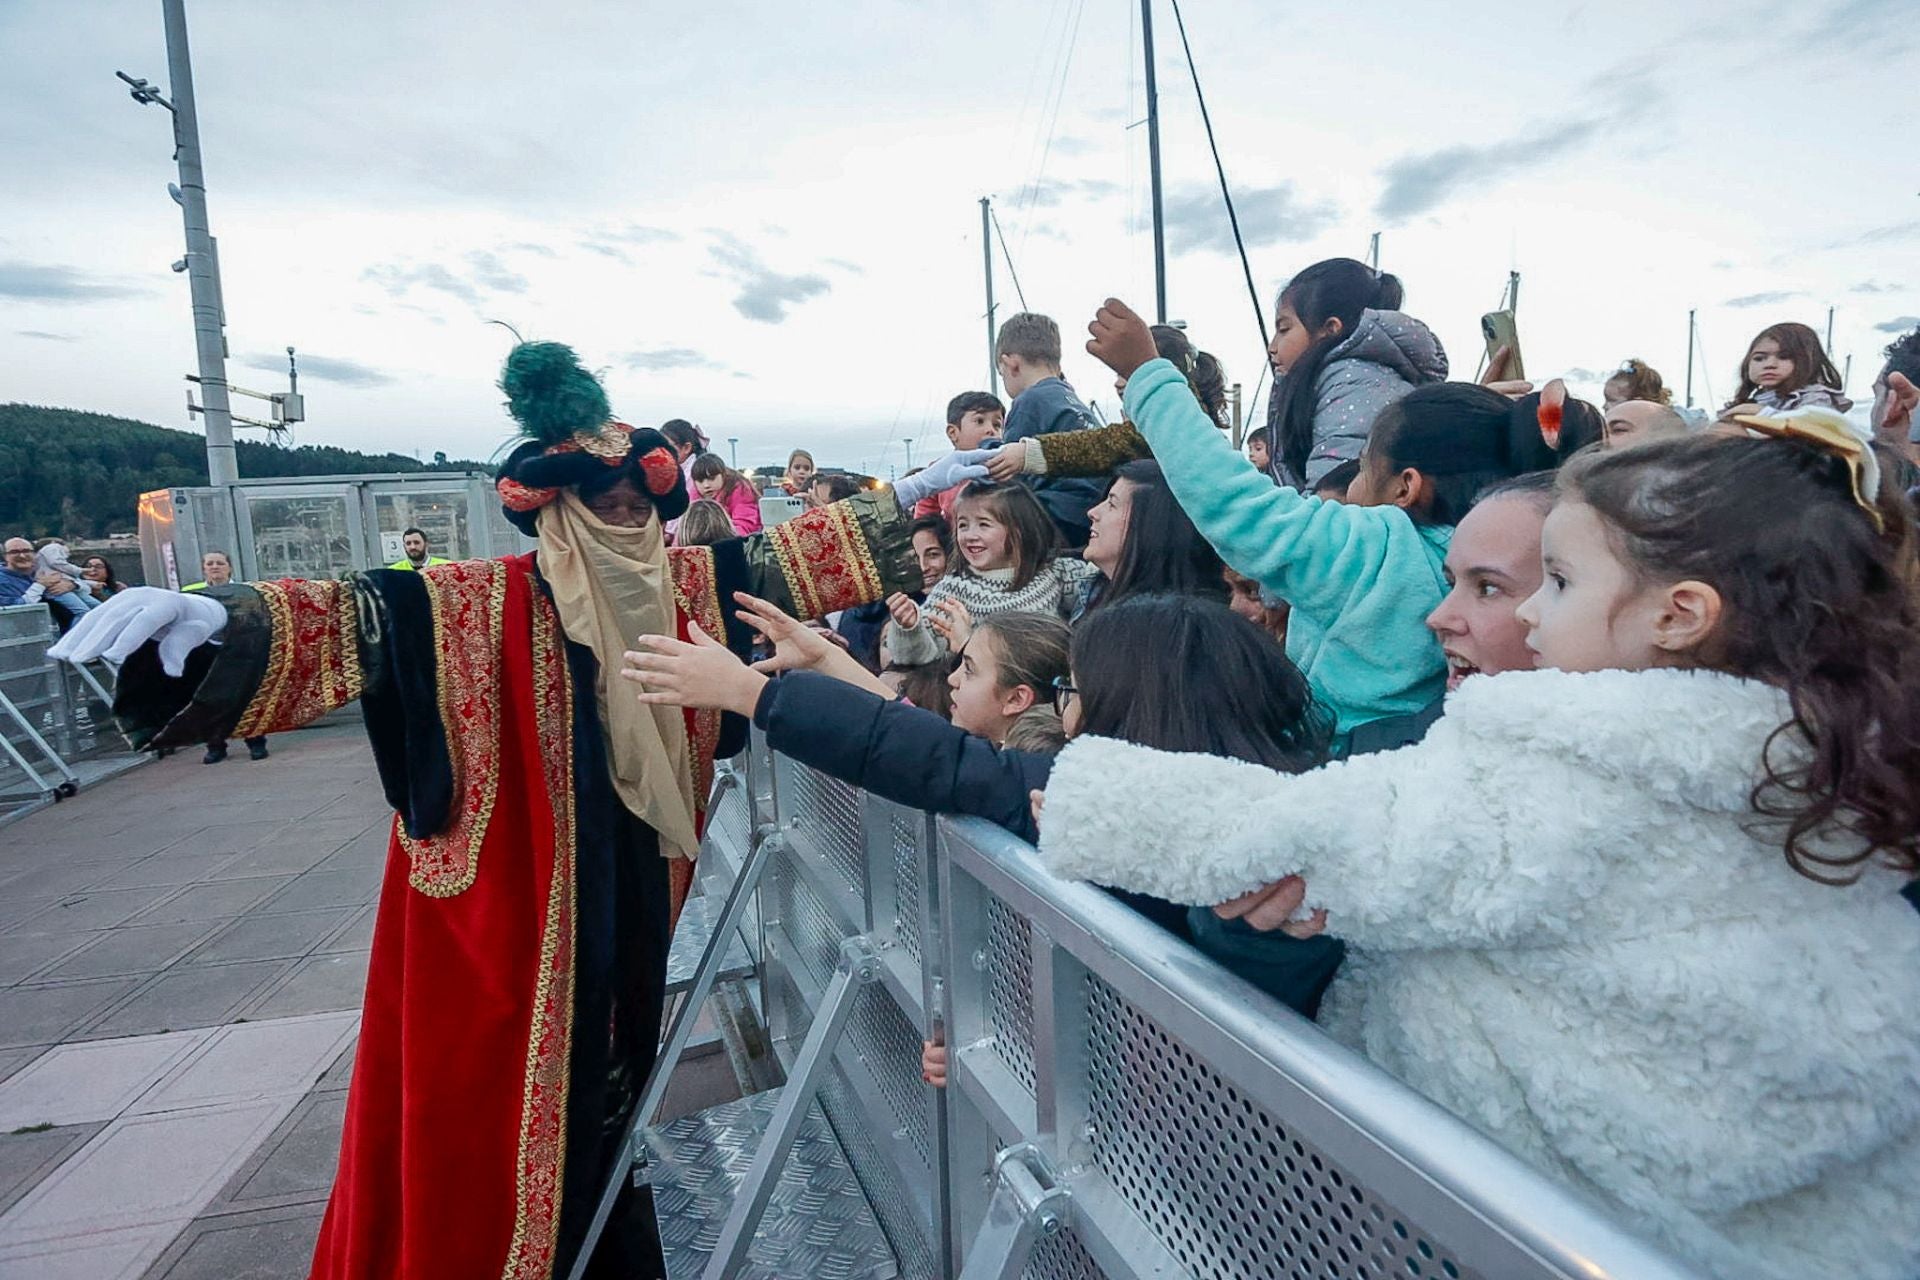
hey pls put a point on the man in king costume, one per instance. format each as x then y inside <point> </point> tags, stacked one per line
<point>544,819</point>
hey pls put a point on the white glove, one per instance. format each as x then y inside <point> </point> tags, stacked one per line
<point>942,474</point>
<point>181,621</point>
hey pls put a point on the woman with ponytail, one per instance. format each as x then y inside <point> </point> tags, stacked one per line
<point>1362,576</point>
<point>1342,351</point>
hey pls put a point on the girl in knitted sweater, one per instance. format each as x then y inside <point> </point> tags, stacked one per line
<point>1011,564</point>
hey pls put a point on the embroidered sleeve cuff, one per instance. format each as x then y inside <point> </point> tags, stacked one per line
<point>313,655</point>
<point>838,556</point>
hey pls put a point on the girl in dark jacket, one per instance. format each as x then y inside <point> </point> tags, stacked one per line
<point>1214,683</point>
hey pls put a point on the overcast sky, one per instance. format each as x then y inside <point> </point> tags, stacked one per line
<point>764,217</point>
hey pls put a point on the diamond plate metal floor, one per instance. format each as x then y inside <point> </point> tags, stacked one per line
<point>817,1224</point>
<point>690,939</point>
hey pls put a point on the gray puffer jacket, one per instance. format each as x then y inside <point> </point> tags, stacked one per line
<point>1388,354</point>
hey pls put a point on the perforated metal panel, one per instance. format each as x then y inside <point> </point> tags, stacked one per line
<point>905,828</point>
<point>1222,1183</point>
<point>1010,989</point>
<point>808,924</point>
<point>827,810</point>
<point>886,1041</point>
<point>1062,1257</point>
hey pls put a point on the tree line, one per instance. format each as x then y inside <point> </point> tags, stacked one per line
<point>80,475</point>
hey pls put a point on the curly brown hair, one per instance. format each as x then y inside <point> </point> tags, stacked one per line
<point>1817,601</point>
<point>1638,380</point>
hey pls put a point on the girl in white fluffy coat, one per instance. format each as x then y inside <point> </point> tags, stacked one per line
<point>1638,918</point>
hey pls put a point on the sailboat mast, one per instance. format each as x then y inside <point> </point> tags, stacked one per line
<point>1153,166</point>
<point>986,253</point>
<point>1690,343</point>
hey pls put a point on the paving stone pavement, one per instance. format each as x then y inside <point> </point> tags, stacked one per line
<point>182,953</point>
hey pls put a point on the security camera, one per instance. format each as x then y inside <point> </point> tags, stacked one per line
<point>174,190</point>
<point>179,265</point>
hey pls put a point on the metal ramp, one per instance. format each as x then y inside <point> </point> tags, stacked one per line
<point>691,938</point>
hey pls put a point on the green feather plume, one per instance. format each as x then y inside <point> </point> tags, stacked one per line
<point>550,393</point>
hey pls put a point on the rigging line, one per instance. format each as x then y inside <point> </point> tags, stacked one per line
<point>1040,88</point>
<point>1233,219</point>
<point>1017,290</point>
<point>1066,68</point>
<point>1054,67</point>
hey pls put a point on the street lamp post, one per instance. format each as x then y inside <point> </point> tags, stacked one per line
<point>909,443</point>
<point>203,266</point>
<point>733,452</point>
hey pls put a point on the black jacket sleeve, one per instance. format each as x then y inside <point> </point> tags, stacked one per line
<point>902,753</point>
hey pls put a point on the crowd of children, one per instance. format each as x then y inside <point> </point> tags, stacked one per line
<point>1568,755</point>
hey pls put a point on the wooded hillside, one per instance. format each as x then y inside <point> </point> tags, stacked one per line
<point>81,474</point>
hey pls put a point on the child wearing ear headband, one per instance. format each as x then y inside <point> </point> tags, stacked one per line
<point>1639,917</point>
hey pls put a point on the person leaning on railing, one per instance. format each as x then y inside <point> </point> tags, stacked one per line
<point>1221,685</point>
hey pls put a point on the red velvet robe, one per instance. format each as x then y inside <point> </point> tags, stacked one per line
<point>454,1156</point>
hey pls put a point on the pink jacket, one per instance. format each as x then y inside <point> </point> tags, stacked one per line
<point>743,508</point>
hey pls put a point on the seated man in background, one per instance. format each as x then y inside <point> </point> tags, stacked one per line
<point>22,583</point>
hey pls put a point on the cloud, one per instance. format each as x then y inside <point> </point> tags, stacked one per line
<point>1586,375</point>
<point>1845,25</point>
<point>765,294</point>
<point>347,373</point>
<point>636,233</point>
<point>45,336</point>
<point>491,273</point>
<point>398,280</point>
<point>1071,146</point>
<point>1899,324</point>
<point>1268,215</point>
<point>1877,286</point>
<point>1879,235</point>
<point>1416,184</point>
<point>613,251</point>
<point>485,273</point>
<point>30,283</point>
<point>1047,195</point>
<point>613,242</point>
<point>1765,299</point>
<point>851,268</point>
<point>668,358</point>
<point>528,246</point>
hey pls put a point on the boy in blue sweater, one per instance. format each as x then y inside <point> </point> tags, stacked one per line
<point>1028,353</point>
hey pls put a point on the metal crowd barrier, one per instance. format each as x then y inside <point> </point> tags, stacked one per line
<point>1118,1106</point>
<point>53,715</point>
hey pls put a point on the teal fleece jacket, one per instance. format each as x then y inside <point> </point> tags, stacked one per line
<point>1361,580</point>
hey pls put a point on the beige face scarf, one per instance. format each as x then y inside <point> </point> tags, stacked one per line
<point>610,586</point>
